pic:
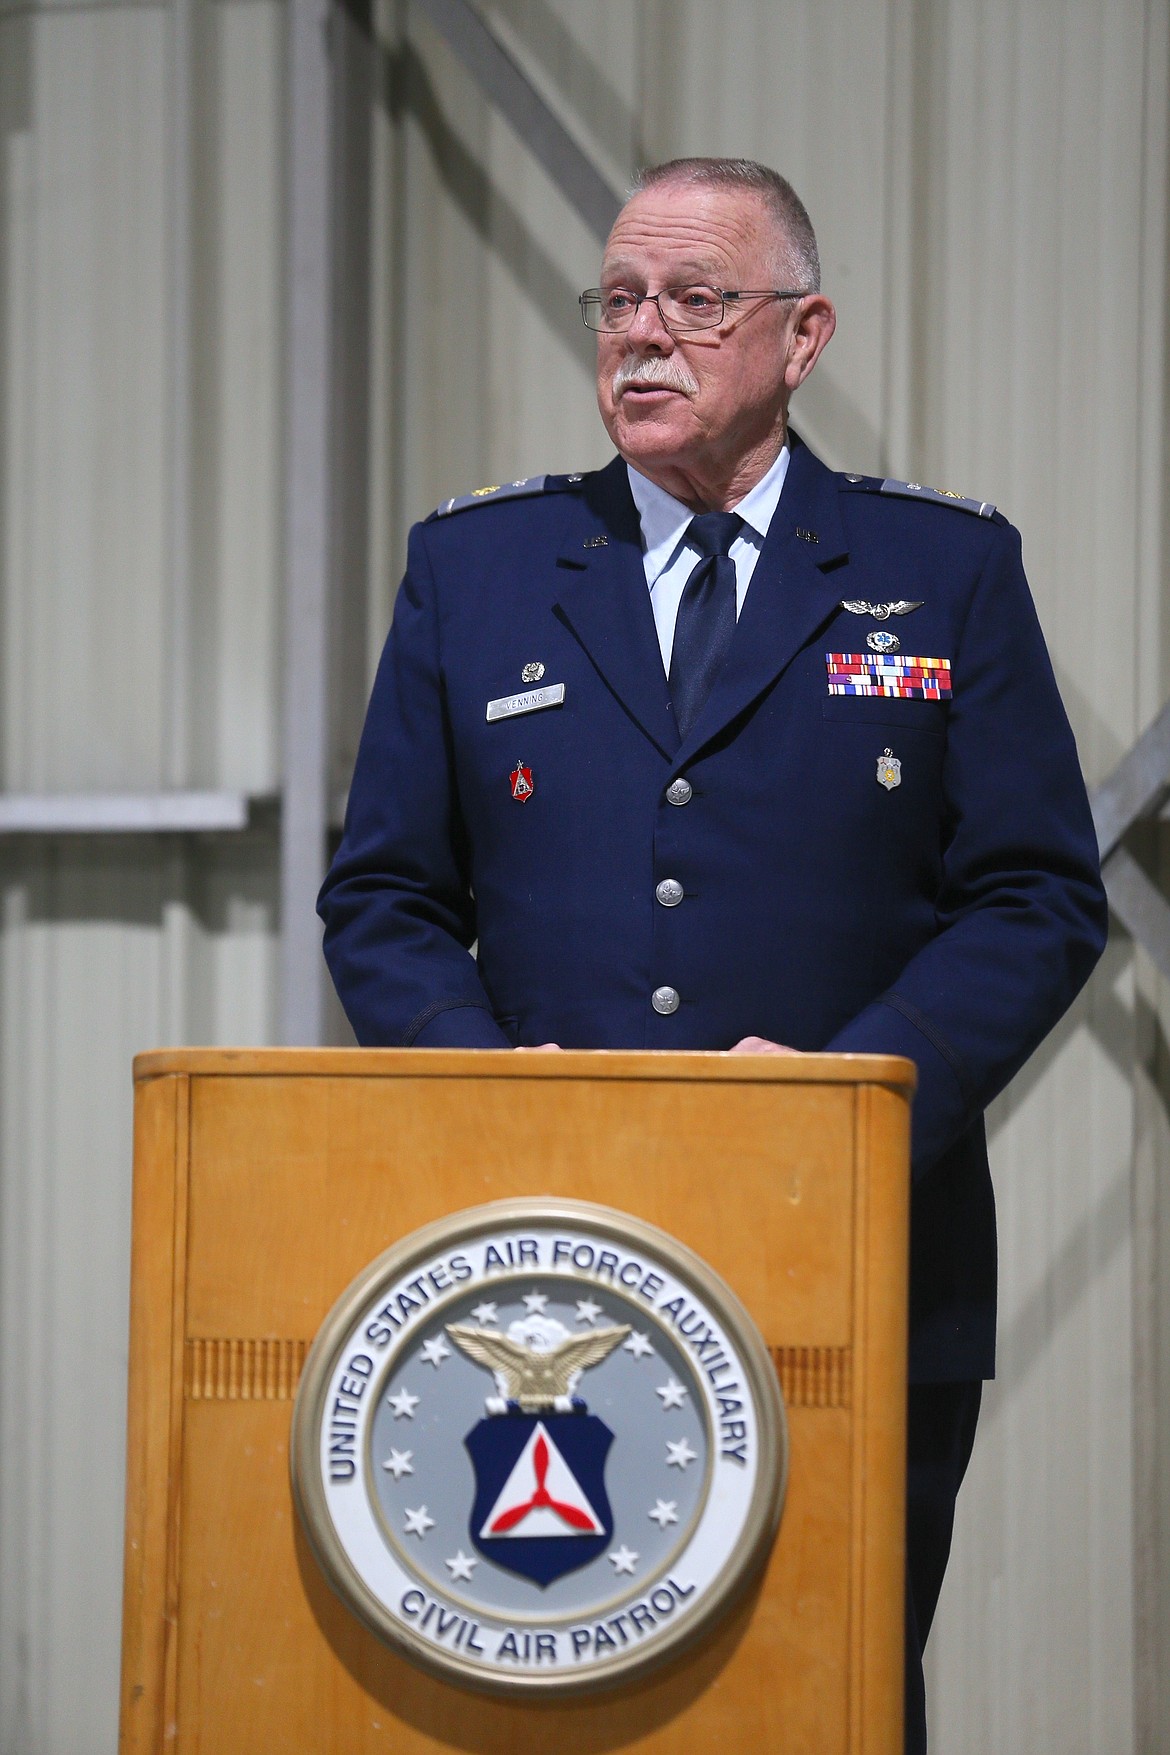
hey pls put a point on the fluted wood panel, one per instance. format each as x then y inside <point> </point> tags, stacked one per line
<point>990,187</point>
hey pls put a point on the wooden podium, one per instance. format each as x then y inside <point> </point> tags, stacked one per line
<point>265,1180</point>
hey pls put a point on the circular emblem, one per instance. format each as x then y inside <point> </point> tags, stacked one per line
<point>539,1446</point>
<point>532,672</point>
<point>878,640</point>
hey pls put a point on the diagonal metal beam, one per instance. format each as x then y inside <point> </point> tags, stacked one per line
<point>1136,786</point>
<point>1139,905</point>
<point>518,101</point>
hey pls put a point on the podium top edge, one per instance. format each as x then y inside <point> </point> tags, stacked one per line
<point>421,1063</point>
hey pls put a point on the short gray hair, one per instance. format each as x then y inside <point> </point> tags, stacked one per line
<point>776,192</point>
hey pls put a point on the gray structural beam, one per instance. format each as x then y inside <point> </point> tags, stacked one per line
<point>1136,786</point>
<point>121,813</point>
<point>518,101</point>
<point>1136,789</point>
<point>306,525</point>
<point>1140,906</point>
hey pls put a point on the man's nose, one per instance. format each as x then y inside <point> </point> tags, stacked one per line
<point>648,329</point>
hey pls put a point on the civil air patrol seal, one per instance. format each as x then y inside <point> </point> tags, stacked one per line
<point>539,1447</point>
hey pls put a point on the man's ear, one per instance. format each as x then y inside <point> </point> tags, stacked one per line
<point>809,336</point>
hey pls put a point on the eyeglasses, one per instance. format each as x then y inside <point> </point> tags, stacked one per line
<point>611,310</point>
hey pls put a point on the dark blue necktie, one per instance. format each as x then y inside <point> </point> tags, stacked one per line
<point>706,615</point>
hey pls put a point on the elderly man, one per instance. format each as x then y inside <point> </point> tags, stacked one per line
<point>772,759</point>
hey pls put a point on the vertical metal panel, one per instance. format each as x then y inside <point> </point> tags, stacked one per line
<point>84,537</point>
<point>111,948</point>
<point>1151,1193</point>
<point>1034,169</point>
<point>306,519</point>
<point>238,415</point>
<point>177,729</point>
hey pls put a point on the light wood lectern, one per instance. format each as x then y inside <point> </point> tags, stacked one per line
<point>265,1180</point>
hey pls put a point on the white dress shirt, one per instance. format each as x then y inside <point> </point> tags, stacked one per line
<point>669,559</point>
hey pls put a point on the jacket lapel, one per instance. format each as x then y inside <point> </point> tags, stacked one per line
<point>605,603</point>
<point>796,586</point>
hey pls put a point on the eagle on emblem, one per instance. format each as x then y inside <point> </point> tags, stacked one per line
<point>538,1362</point>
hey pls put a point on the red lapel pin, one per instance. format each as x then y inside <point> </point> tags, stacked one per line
<point>522,787</point>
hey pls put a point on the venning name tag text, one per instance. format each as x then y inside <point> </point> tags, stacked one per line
<point>508,706</point>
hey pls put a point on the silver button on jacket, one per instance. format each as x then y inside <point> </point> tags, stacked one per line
<point>664,1000</point>
<point>679,792</point>
<point>669,892</point>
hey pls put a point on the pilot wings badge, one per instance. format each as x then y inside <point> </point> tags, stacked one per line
<point>541,1508</point>
<point>881,612</point>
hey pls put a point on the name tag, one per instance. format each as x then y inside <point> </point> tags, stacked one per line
<point>508,706</point>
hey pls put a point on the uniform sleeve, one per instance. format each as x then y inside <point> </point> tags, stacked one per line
<point>397,906</point>
<point>1021,914</point>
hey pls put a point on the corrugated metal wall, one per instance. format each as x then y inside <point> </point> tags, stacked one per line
<point>989,182</point>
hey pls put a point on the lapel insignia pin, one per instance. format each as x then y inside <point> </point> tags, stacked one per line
<point>522,787</point>
<point>889,770</point>
<point>807,535</point>
<point>532,672</point>
<point>881,612</point>
<point>878,640</point>
<point>596,542</point>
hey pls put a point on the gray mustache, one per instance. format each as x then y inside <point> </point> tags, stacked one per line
<point>670,373</point>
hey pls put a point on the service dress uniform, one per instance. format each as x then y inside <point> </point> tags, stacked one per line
<point>873,838</point>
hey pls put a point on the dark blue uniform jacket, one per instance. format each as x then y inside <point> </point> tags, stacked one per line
<point>951,918</point>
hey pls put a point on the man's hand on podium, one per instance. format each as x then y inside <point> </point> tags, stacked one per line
<point>746,1045</point>
<point>760,1045</point>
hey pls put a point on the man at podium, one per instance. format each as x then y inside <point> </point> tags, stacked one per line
<point>718,748</point>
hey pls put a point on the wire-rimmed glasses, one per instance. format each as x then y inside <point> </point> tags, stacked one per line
<point>610,310</point>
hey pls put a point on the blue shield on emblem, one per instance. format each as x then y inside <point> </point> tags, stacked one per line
<point>541,1508</point>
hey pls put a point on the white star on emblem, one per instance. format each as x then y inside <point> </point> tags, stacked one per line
<point>534,1303</point>
<point>419,1522</point>
<point>403,1404</point>
<point>462,1566</point>
<point>587,1310</point>
<point>624,1559</point>
<point>399,1463</point>
<point>679,1454</point>
<point>639,1346</point>
<point>673,1395</point>
<point>435,1350</point>
<point>666,1511</point>
<point>483,1314</point>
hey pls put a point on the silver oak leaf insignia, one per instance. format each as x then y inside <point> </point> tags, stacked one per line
<point>536,1379</point>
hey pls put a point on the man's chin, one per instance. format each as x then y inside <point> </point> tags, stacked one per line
<point>653,434</point>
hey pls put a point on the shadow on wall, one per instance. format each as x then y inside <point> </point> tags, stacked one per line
<point>404,86</point>
<point>132,880</point>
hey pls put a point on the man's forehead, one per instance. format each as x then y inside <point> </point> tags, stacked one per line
<point>700,230</point>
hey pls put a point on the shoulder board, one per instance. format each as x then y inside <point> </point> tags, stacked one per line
<point>914,490</point>
<point>509,490</point>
